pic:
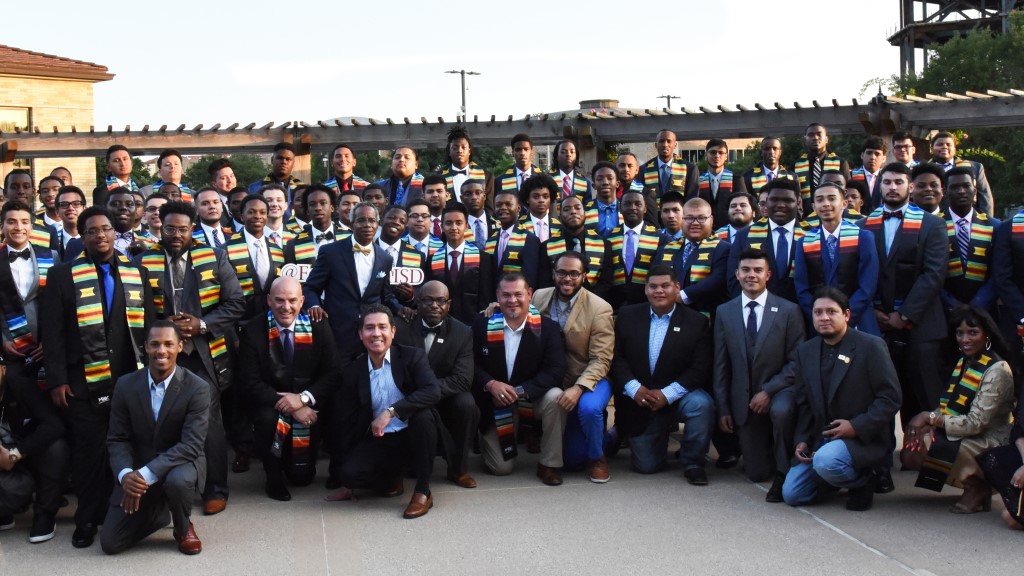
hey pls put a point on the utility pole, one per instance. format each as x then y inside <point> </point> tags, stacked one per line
<point>463,74</point>
<point>668,100</point>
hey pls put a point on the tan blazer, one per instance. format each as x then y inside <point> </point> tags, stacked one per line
<point>589,337</point>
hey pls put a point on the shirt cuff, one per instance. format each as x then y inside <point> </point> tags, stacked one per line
<point>148,475</point>
<point>312,400</point>
<point>673,392</point>
<point>631,387</point>
<point>684,297</point>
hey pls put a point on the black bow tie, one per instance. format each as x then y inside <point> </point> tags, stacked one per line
<point>325,236</point>
<point>898,214</point>
<point>435,330</point>
<point>14,255</point>
<point>463,172</point>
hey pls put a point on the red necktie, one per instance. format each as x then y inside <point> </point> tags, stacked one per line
<point>437,227</point>
<point>453,270</point>
<point>567,185</point>
<point>344,186</point>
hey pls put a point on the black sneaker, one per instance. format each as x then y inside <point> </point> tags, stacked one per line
<point>44,527</point>
<point>6,521</point>
<point>774,494</point>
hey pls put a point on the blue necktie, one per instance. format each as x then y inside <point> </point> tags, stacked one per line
<point>687,250</point>
<point>628,257</point>
<point>830,244</point>
<point>288,345</point>
<point>399,192</point>
<point>752,321</point>
<point>108,287</point>
<point>782,252</point>
<point>479,238</point>
<point>666,178</point>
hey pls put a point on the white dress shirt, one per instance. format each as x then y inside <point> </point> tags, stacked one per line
<point>461,248</point>
<point>513,336</point>
<point>759,311</point>
<point>789,226</point>
<point>393,250</point>
<point>364,266</point>
<point>268,231</point>
<point>458,179</point>
<point>256,253</point>
<point>636,240</point>
<point>24,271</point>
<point>537,224</point>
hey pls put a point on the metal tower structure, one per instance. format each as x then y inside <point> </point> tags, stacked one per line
<point>926,22</point>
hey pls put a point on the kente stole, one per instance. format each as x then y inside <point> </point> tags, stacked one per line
<point>238,255</point>
<point>302,339</point>
<point>803,171</point>
<point>14,308</point>
<point>647,248</point>
<point>503,415</point>
<point>977,261</point>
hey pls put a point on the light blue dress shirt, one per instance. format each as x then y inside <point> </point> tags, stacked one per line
<point>384,392</point>
<point>659,327</point>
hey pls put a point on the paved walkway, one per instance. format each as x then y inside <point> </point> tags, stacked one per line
<point>515,525</point>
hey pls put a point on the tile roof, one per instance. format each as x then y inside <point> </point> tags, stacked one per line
<point>20,62</point>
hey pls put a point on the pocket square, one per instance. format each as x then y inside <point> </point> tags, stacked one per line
<point>380,274</point>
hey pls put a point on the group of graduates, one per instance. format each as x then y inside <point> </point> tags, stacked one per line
<point>785,315</point>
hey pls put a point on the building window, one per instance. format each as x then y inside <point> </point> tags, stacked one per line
<point>11,118</point>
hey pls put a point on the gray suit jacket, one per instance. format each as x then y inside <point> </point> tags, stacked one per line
<point>863,389</point>
<point>741,372</point>
<point>176,438</point>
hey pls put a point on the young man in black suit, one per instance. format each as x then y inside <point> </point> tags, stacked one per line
<point>287,372</point>
<point>449,347</point>
<point>102,304</point>
<point>511,248</point>
<point>157,430</point>
<point>848,395</point>
<point>660,372</point>
<point>462,267</point>
<point>386,406</point>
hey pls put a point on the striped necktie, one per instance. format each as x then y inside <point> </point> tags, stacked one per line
<point>963,238</point>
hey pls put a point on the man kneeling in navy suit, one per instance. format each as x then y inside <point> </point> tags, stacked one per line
<point>158,421</point>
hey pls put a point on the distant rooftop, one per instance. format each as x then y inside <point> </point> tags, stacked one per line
<point>20,62</point>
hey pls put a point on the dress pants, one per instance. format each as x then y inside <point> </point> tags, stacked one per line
<point>767,439</point>
<point>920,368</point>
<point>552,421</point>
<point>650,448</point>
<point>375,461</point>
<point>831,464</point>
<point>460,417</point>
<point>584,427</point>
<point>90,462</point>
<point>264,419</point>
<point>173,493</point>
<point>216,440</point>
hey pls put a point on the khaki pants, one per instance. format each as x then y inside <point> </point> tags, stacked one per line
<point>552,419</point>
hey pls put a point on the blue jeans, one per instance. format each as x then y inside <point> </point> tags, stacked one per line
<point>650,448</point>
<point>584,427</point>
<point>831,464</point>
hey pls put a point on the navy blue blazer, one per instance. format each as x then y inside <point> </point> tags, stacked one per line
<point>862,300</point>
<point>705,295</point>
<point>334,273</point>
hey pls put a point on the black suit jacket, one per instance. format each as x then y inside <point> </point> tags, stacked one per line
<point>335,272</point>
<point>450,356</point>
<point>221,320</point>
<point>863,389</point>
<point>412,375</point>
<point>263,371</point>
<point>686,358</point>
<point>720,203</point>
<point>65,253</point>
<point>705,295</point>
<point>780,283</point>
<point>411,193</point>
<point>540,365</point>
<point>472,291</point>
<point>175,437</point>
<point>914,272</point>
<point>63,361</point>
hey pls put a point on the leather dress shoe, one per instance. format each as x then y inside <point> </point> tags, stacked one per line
<point>599,471</point>
<point>214,506</point>
<point>884,483</point>
<point>241,464</point>
<point>189,543</point>
<point>84,535</point>
<point>696,476</point>
<point>861,499</point>
<point>395,488</point>
<point>419,505</point>
<point>727,461</point>
<point>774,494</point>
<point>278,491</point>
<point>464,480</point>
<point>549,476</point>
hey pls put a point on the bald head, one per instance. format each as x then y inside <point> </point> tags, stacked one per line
<point>285,300</point>
<point>433,302</point>
<point>434,289</point>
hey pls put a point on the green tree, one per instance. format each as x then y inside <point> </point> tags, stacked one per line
<point>978,62</point>
<point>139,172</point>
<point>247,169</point>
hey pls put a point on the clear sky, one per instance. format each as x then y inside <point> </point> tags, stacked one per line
<point>229,61</point>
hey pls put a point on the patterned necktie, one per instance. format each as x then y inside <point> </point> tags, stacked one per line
<point>437,227</point>
<point>629,255</point>
<point>275,238</point>
<point>687,250</point>
<point>479,238</point>
<point>830,244</point>
<point>815,173</point>
<point>567,185</point>
<point>501,246</point>
<point>453,270</point>
<point>963,238</point>
<point>178,270</point>
<point>752,321</point>
<point>666,177</point>
<point>217,242</point>
<point>782,252</point>
<point>769,175</point>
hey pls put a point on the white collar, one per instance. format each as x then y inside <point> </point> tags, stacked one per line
<point>956,217</point>
<point>164,382</point>
<point>386,362</point>
<point>249,238</point>
<point>520,329</point>
<point>761,299</point>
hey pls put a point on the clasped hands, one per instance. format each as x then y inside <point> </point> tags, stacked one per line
<point>652,400</point>
<point>292,405</point>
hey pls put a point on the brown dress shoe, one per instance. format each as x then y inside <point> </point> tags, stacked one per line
<point>464,480</point>
<point>189,543</point>
<point>214,506</point>
<point>549,476</point>
<point>599,471</point>
<point>419,505</point>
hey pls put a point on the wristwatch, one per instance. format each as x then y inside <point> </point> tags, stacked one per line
<point>306,399</point>
<point>202,326</point>
<point>391,410</point>
<point>14,455</point>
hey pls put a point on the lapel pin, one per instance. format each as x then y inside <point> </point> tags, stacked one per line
<point>775,309</point>
<point>440,340</point>
<point>675,328</point>
<point>844,359</point>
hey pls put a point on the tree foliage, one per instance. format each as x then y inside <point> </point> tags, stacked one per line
<point>247,169</point>
<point>139,172</point>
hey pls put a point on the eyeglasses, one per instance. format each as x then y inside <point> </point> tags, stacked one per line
<point>174,231</point>
<point>66,205</point>
<point>99,231</point>
<point>571,274</point>
<point>697,219</point>
<point>439,302</point>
